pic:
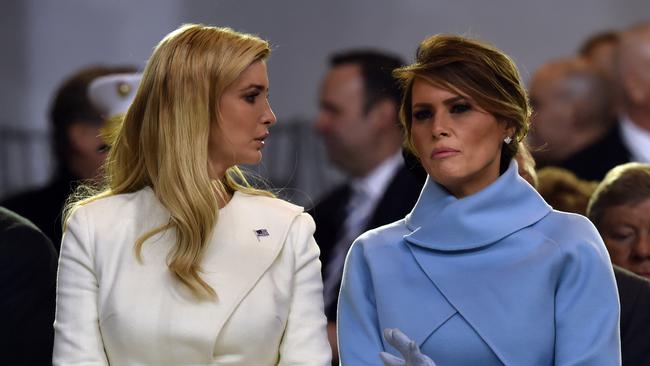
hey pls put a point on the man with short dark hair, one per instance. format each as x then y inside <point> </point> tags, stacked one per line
<point>358,121</point>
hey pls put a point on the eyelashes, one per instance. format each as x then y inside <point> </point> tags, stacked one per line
<point>460,108</point>
<point>622,236</point>
<point>250,98</point>
<point>423,114</point>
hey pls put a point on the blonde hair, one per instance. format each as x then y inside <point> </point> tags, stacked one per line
<point>163,140</point>
<point>526,164</point>
<point>564,190</point>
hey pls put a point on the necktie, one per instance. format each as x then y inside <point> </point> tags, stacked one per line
<point>358,211</point>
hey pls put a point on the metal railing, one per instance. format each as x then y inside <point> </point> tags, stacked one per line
<point>25,159</point>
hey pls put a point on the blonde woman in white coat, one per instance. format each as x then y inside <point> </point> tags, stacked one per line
<point>179,261</point>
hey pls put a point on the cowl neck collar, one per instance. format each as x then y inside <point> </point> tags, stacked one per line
<point>441,221</point>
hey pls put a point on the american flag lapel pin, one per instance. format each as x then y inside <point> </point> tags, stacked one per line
<point>261,232</point>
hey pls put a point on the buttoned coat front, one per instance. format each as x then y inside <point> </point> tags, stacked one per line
<point>262,262</point>
<point>494,278</point>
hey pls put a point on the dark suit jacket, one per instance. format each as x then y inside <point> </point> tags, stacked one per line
<point>27,292</point>
<point>43,206</point>
<point>329,214</point>
<point>634,294</point>
<point>594,161</point>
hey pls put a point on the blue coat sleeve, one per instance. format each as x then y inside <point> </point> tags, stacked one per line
<point>359,334</point>
<point>587,307</point>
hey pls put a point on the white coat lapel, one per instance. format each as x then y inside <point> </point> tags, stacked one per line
<point>246,242</point>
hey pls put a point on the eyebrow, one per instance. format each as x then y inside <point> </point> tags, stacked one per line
<point>259,87</point>
<point>328,106</point>
<point>447,102</point>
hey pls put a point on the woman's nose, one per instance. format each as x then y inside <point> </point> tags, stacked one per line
<point>641,249</point>
<point>439,127</point>
<point>269,116</point>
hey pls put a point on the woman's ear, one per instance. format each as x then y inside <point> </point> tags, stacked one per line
<point>384,112</point>
<point>510,130</point>
<point>633,86</point>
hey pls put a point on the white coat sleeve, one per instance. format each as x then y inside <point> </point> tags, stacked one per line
<point>77,337</point>
<point>305,339</point>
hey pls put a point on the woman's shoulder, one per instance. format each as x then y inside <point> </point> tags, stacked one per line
<point>119,201</point>
<point>380,245</point>
<point>388,235</point>
<point>273,215</point>
<point>119,207</point>
<point>559,224</point>
<point>571,232</point>
<point>268,205</point>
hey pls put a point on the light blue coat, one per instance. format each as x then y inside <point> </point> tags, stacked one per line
<point>494,278</point>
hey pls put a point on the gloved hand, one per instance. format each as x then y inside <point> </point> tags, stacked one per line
<point>407,347</point>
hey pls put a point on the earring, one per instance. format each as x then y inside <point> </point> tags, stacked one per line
<point>507,140</point>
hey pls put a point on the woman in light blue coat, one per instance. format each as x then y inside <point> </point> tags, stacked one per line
<point>482,271</point>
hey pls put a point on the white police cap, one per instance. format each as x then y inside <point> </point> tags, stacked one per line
<point>112,94</point>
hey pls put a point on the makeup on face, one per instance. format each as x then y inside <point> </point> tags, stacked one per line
<point>240,134</point>
<point>458,142</point>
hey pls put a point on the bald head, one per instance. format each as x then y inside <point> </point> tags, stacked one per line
<point>572,107</point>
<point>633,71</point>
<point>574,80</point>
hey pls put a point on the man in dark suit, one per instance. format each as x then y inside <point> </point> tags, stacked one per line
<point>358,121</point>
<point>575,119</point>
<point>633,81</point>
<point>27,292</point>
<point>634,294</point>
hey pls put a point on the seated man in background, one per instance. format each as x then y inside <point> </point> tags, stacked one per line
<point>27,292</point>
<point>574,124</point>
<point>620,209</point>
<point>79,150</point>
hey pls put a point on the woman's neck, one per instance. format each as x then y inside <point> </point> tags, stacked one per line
<point>221,189</point>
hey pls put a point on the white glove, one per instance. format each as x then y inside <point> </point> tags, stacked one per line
<point>407,347</point>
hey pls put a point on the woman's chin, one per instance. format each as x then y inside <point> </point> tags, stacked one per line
<point>252,159</point>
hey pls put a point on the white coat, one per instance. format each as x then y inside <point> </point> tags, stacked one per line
<point>262,262</point>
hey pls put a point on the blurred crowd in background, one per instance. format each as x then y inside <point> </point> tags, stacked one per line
<point>589,147</point>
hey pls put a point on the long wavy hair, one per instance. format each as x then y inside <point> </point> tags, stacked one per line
<point>163,140</point>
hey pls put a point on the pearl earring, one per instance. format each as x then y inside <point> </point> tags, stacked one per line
<point>507,140</point>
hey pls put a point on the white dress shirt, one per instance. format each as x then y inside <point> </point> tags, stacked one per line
<point>366,194</point>
<point>374,185</point>
<point>636,139</point>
